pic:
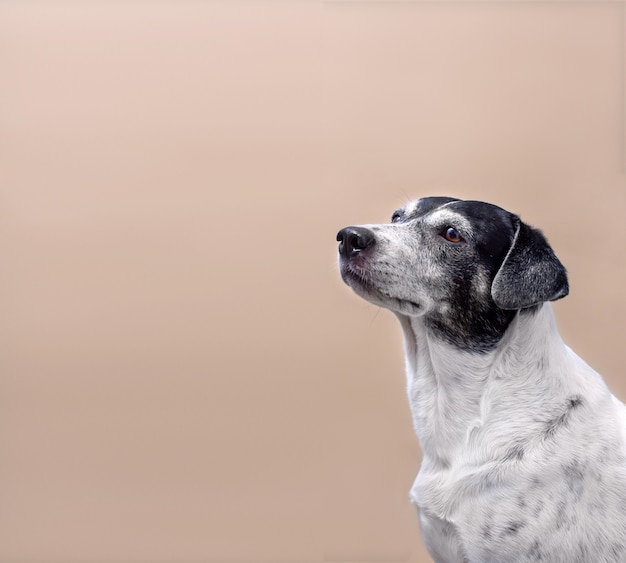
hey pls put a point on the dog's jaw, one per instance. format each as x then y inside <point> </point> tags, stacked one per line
<point>359,279</point>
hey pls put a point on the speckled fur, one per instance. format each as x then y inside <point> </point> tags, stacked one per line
<point>524,446</point>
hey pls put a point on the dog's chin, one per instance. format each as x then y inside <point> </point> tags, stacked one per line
<point>367,290</point>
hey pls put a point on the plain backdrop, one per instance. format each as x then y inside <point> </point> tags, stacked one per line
<point>183,376</point>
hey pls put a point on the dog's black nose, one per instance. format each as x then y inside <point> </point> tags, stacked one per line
<point>353,240</point>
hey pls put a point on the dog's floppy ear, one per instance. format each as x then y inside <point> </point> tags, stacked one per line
<point>530,273</point>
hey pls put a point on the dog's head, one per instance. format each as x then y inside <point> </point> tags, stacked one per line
<point>466,267</point>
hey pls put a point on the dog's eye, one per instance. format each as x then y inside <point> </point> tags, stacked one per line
<point>452,235</point>
<point>396,216</point>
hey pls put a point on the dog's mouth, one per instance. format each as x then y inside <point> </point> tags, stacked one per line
<point>361,282</point>
<point>353,274</point>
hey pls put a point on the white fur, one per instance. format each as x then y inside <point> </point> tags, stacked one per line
<point>469,408</point>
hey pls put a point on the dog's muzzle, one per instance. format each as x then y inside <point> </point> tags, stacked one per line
<point>354,240</point>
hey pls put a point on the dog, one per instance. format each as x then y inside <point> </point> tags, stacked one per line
<point>524,447</point>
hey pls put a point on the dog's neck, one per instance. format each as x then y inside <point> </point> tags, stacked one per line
<point>457,397</point>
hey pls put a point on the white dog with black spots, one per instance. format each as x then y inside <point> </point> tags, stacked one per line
<point>524,447</point>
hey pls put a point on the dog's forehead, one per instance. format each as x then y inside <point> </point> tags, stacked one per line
<point>485,217</point>
<point>419,207</point>
<point>474,215</point>
<point>448,216</point>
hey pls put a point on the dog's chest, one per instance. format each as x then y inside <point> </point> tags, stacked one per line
<point>433,494</point>
<point>434,491</point>
<point>463,520</point>
<point>471,513</point>
<point>563,511</point>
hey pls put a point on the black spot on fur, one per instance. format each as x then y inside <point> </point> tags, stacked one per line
<point>487,526</point>
<point>541,363</point>
<point>561,420</point>
<point>561,516</point>
<point>513,528</point>
<point>575,478</point>
<point>583,552</point>
<point>514,453</point>
<point>535,552</point>
<point>575,401</point>
<point>447,528</point>
<point>487,482</point>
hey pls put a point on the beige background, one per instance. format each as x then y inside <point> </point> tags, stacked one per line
<point>183,377</point>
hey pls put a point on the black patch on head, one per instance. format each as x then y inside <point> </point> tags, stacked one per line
<point>502,267</point>
<point>472,321</point>
<point>516,260</point>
